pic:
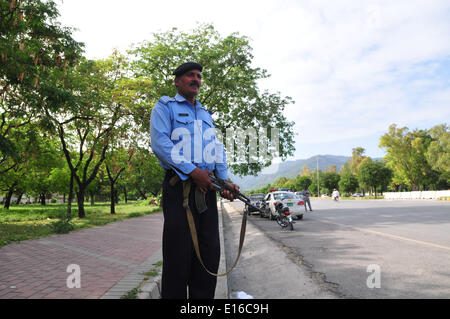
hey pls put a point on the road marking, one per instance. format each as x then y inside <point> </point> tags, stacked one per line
<point>376,233</point>
<point>392,236</point>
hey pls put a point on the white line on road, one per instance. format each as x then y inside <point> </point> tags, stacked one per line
<point>389,235</point>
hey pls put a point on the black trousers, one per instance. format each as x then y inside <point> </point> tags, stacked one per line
<point>306,200</point>
<point>182,272</point>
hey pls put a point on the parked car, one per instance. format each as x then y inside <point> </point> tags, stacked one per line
<point>358,195</point>
<point>256,199</point>
<point>299,194</point>
<point>324,195</point>
<point>289,199</point>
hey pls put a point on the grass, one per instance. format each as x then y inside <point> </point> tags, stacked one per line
<point>22,222</point>
<point>133,293</point>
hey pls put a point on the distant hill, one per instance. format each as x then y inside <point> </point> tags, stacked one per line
<point>288,169</point>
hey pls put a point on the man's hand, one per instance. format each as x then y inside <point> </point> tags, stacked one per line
<point>227,194</point>
<point>202,180</point>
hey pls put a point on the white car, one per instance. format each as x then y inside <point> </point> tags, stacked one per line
<point>295,203</point>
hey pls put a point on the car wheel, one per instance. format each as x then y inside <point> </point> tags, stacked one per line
<point>271,217</point>
<point>300,216</point>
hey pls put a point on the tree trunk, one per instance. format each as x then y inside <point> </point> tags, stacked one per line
<point>113,198</point>
<point>125,194</point>
<point>42,199</point>
<point>69,203</point>
<point>8,198</point>
<point>19,198</point>
<point>91,194</point>
<point>116,195</point>
<point>80,200</point>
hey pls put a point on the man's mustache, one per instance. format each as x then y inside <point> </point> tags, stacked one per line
<point>193,83</point>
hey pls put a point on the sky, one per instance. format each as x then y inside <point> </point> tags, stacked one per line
<point>353,68</point>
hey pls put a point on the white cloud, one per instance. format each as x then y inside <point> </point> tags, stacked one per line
<point>352,67</point>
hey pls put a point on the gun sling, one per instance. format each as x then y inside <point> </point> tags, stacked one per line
<point>186,189</point>
<point>201,207</point>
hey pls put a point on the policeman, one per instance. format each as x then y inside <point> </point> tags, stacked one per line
<point>183,138</point>
<point>306,193</point>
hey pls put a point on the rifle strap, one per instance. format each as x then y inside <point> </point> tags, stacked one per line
<point>190,218</point>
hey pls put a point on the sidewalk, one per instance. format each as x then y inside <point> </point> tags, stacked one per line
<point>112,260</point>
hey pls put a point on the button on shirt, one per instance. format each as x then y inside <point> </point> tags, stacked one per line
<point>184,137</point>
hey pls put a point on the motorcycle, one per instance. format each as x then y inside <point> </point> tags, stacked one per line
<point>336,198</point>
<point>284,218</point>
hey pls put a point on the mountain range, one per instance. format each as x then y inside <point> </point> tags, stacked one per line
<point>288,169</point>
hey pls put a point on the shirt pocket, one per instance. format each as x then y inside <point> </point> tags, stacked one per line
<point>183,121</point>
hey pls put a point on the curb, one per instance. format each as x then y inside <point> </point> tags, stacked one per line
<point>135,278</point>
<point>444,198</point>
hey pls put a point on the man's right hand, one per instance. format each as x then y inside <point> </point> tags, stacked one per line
<point>201,179</point>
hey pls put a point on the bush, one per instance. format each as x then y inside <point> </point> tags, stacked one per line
<point>132,215</point>
<point>62,226</point>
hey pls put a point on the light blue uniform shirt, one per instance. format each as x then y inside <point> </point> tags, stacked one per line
<point>184,137</point>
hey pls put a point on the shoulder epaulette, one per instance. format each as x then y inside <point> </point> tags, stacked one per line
<point>210,112</point>
<point>166,99</point>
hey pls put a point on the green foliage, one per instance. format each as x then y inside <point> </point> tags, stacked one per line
<point>230,87</point>
<point>302,182</point>
<point>63,226</point>
<point>407,154</point>
<point>132,294</point>
<point>375,175</point>
<point>348,182</point>
<point>438,153</point>
<point>331,181</point>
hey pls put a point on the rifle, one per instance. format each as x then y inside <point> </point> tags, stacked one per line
<point>221,185</point>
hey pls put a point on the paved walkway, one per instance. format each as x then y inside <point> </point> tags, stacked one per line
<point>111,261</point>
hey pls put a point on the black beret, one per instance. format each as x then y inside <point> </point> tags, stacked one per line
<point>185,67</point>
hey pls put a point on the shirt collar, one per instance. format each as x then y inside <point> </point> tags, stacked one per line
<point>179,98</point>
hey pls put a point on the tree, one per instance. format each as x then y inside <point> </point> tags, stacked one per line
<point>32,45</point>
<point>305,171</point>
<point>348,183</point>
<point>46,157</point>
<point>230,90</point>
<point>143,174</point>
<point>85,123</point>
<point>374,175</point>
<point>279,183</point>
<point>303,182</point>
<point>357,158</point>
<point>438,153</point>
<point>115,163</point>
<point>331,181</point>
<point>406,154</point>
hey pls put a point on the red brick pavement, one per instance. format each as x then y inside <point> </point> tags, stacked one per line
<point>38,268</point>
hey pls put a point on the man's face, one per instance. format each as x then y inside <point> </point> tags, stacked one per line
<point>189,84</point>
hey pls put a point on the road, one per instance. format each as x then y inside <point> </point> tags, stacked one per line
<point>368,248</point>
